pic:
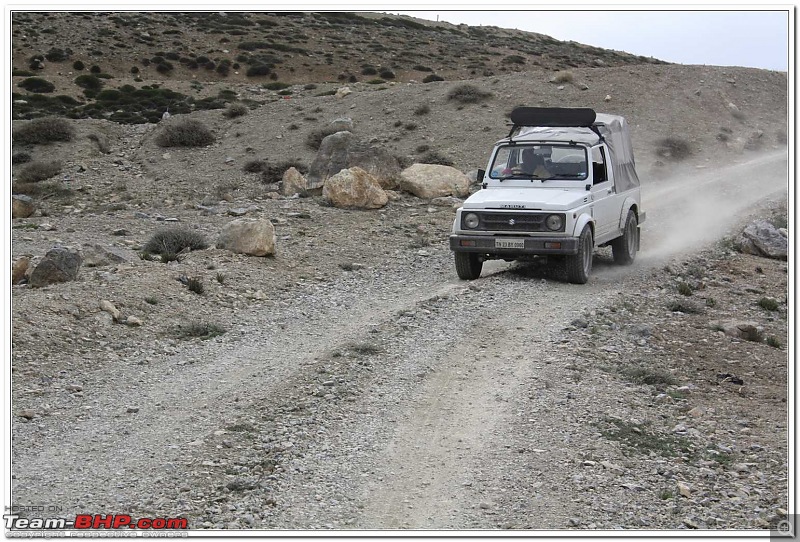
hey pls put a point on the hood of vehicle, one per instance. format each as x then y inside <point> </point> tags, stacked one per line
<point>544,199</point>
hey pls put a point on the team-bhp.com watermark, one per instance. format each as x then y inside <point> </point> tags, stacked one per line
<point>92,526</point>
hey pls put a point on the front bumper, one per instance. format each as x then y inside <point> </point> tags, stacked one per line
<point>484,244</point>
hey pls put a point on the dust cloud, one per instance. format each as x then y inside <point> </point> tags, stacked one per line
<point>693,209</point>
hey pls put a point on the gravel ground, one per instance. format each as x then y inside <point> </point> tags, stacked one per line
<point>356,384</point>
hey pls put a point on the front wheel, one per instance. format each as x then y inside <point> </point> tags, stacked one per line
<point>579,266</point>
<point>624,247</point>
<point>468,265</point>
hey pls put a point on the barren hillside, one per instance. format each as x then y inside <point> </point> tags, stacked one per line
<point>350,381</point>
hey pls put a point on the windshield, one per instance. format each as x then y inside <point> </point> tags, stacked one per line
<point>539,162</point>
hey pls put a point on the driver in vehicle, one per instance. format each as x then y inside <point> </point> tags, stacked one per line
<point>532,164</point>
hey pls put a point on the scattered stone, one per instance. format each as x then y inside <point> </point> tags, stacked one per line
<point>767,239</point>
<point>447,201</point>
<point>607,98</point>
<point>239,211</point>
<point>22,206</point>
<point>121,232</point>
<point>133,321</point>
<point>684,490</point>
<point>28,414</point>
<point>100,256</point>
<point>108,306</point>
<point>293,182</point>
<point>60,264</point>
<point>342,124</point>
<point>343,91</point>
<point>354,188</point>
<point>432,181</point>
<point>255,237</point>
<point>19,269</point>
<point>132,410</point>
<point>748,331</point>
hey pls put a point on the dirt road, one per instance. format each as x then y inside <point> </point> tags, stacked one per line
<point>396,397</point>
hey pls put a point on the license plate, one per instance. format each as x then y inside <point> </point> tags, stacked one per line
<point>509,243</point>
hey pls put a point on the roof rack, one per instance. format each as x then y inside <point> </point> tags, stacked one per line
<point>552,117</point>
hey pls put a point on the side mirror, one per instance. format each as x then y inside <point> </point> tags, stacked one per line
<point>481,175</point>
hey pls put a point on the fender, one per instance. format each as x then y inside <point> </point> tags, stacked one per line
<point>580,223</point>
<point>626,206</point>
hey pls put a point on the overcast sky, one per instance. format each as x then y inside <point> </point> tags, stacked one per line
<point>757,39</point>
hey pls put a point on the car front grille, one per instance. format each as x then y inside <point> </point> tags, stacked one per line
<point>512,222</point>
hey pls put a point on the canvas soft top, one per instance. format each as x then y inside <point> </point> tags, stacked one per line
<point>579,125</point>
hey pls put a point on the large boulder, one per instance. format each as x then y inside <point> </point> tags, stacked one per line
<point>255,237</point>
<point>22,206</point>
<point>354,188</point>
<point>293,183</point>
<point>343,150</point>
<point>60,264</point>
<point>769,241</point>
<point>434,181</point>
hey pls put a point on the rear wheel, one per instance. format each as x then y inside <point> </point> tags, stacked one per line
<point>579,266</point>
<point>624,247</point>
<point>468,265</point>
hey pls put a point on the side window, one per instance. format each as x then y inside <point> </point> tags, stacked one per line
<point>599,165</point>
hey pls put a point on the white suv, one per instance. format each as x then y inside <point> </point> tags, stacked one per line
<point>561,183</point>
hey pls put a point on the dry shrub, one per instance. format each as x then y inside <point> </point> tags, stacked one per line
<point>314,138</point>
<point>185,133</point>
<point>174,240</point>
<point>45,130</point>
<point>273,173</point>
<point>39,171</point>
<point>673,147</point>
<point>563,77</point>
<point>468,94</point>
<point>236,110</point>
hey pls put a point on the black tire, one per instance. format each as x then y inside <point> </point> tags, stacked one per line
<point>578,267</point>
<point>468,265</point>
<point>624,247</point>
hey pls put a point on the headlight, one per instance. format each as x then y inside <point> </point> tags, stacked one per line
<point>471,220</point>
<point>554,222</point>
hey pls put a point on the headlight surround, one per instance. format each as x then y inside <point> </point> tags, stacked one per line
<point>471,221</point>
<point>554,222</point>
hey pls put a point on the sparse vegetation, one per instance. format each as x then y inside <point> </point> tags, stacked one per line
<point>151,300</point>
<point>685,307</point>
<point>273,173</point>
<point>198,330</point>
<point>174,240</point>
<point>468,94</point>
<point>768,303</point>
<point>684,289</point>
<point>639,438</point>
<point>423,109</point>
<point>37,85</point>
<point>674,148</point>
<point>195,285</point>
<point>20,158</point>
<point>254,166</point>
<point>39,171</point>
<point>236,110</point>
<point>565,76</point>
<point>773,341</point>
<point>44,130</point>
<point>185,133</point>
<point>650,376</point>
